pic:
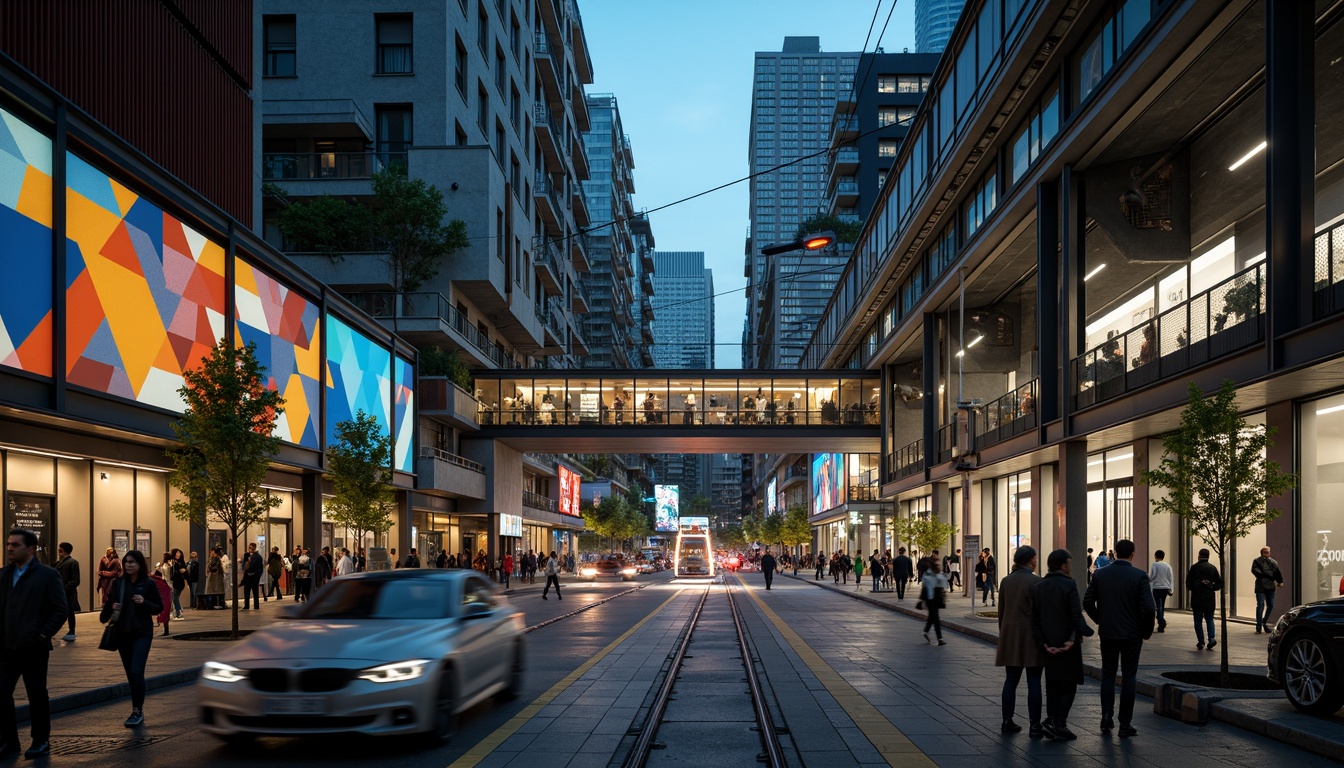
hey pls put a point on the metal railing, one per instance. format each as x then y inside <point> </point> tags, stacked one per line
<point>795,472</point>
<point>1008,416</point>
<point>320,165</point>
<point>387,304</point>
<point>537,501</point>
<point>947,442</point>
<point>865,493</point>
<point>1328,289</point>
<point>1223,319</point>
<point>906,461</point>
<point>430,452</point>
<point>554,413</point>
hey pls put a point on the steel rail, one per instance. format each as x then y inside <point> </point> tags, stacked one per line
<point>774,753</point>
<point>639,753</point>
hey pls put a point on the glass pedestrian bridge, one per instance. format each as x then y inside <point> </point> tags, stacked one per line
<point>681,411</point>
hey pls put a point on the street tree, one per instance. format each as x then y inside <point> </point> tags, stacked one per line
<point>796,530</point>
<point>751,527</point>
<point>772,530</point>
<point>730,537</point>
<point>360,467</point>
<point>1218,479</point>
<point>925,532</point>
<point>227,444</point>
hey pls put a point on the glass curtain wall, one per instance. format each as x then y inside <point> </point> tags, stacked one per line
<point>1110,499</point>
<point>1012,516</point>
<point>1321,446</point>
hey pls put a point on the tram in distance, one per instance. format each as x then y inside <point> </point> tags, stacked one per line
<point>694,554</point>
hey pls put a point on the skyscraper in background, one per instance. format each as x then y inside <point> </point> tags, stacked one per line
<point>683,310</point>
<point>793,105</point>
<point>934,21</point>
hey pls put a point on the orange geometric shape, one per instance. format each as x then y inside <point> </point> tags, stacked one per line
<point>35,352</point>
<point>120,249</point>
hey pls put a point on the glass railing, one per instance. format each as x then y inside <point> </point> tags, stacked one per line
<point>430,452</point>
<point>388,304</point>
<point>847,188</point>
<point>947,442</point>
<point>1006,417</point>
<point>320,165</point>
<point>1329,282</point>
<point>906,461</point>
<point>1223,319</point>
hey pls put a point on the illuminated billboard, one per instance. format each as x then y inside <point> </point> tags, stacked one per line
<point>667,507</point>
<point>570,486</point>
<point>771,498</point>
<point>828,478</point>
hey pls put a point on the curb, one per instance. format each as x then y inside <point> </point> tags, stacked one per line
<point>108,693</point>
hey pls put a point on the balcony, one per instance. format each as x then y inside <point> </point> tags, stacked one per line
<point>428,318</point>
<point>845,194</point>
<point>1224,319</point>
<point>844,128</point>
<point>795,475</point>
<point>283,166</point>
<point>442,398</point>
<point>947,442</point>
<point>578,253</point>
<point>550,135</point>
<point>552,53</point>
<point>546,262</point>
<point>1329,286</point>
<point>537,501</point>
<point>449,474</point>
<point>548,202</point>
<point>906,461</point>
<point>553,323</point>
<point>580,203</point>
<point>1008,416</point>
<point>845,160</point>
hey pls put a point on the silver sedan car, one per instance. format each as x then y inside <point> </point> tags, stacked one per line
<point>390,652</point>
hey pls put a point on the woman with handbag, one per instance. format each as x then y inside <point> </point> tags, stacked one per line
<point>934,594</point>
<point>109,570</point>
<point>129,615</point>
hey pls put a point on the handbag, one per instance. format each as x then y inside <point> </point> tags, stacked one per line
<point>110,640</point>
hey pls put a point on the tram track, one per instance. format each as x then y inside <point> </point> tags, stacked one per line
<point>645,734</point>
<point>581,609</point>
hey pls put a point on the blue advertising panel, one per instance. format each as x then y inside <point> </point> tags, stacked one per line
<point>667,509</point>
<point>828,478</point>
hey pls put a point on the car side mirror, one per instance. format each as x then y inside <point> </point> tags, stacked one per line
<point>475,611</point>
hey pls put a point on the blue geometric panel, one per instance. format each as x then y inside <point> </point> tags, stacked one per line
<point>359,378</point>
<point>405,416</point>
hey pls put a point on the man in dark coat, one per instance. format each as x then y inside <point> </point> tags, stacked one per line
<point>768,568</point>
<point>902,569</point>
<point>253,567</point>
<point>1120,601</point>
<point>32,610</point>
<point>1058,626</point>
<point>68,568</point>
<point>322,568</point>
<point>1017,648</point>
<point>1204,583</point>
<point>1268,578</point>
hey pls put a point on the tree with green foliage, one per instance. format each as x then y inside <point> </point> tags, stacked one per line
<point>436,361</point>
<point>772,530</point>
<point>1218,479</point>
<point>751,527</point>
<point>227,444</point>
<point>925,532</point>
<point>698,506</point>
<point>360,468</point>
<point>845,231</point>
<point>796,530</point>
<point>730,537</point>
<point>405,221</point>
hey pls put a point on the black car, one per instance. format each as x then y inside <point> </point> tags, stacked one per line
<point>611,566</point>
<point>1306,656</point>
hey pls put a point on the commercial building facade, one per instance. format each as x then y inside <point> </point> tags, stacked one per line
<point>1136,196</point>
<point>934,22</point>
<point>683,332</point>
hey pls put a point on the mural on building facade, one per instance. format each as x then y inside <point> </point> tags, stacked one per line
<point>405,416</point>
<point>145,292</point>
<point>25,248</point>
<point>359,378</point>
<point>284,326</point>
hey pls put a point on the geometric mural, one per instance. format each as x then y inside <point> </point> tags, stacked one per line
<point>405,416</point>
<point>359,378</point>
<point>284,326</point>
<point>144,292</point>
<point>25,247</point>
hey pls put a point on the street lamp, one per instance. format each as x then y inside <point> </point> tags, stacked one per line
<point>812,242</point>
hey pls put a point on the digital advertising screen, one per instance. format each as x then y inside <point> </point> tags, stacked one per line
<point>771,498</point>
<point>691,523</point>
<point>667,509</point>
<point>828,477</point>
<point>570,486</point>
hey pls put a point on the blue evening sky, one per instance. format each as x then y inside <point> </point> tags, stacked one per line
<point>682,73</point>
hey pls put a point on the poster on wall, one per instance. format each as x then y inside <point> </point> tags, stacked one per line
<point>771,498</point>
<point>144,543</point>
<point>510,525</point>
<point>667,507</point>
<point>571,485</point>
<point>121,541</point>
<point>828,490</point>
<point>33,513</point>
<point>219,540</point>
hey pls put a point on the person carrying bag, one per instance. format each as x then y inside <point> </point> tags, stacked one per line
<point>134,601</point>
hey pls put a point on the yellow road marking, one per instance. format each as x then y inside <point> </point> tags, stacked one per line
<point>492,742</point>
<point>885,737</point>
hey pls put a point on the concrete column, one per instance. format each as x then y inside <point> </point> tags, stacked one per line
<point>1279,532</point>
<point>931,400</point>
<point>1047,301</point>
<point>1142,517</point>
<point>1071,320</point>
<point>1071,507</point>
<point>309,528</point>
<point>503,488</point>
<point>1038,510</point>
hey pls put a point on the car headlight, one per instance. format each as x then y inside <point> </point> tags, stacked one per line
<point>628,571</point>
<point>222,673</point>
<point>589,572</point>
<point>399,672</point>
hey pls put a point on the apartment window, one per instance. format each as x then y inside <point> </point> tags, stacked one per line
<point>501,72</point>
<point>905,114</point>
<point>887,147</point>
<point>515,107</point>
<point>911,84</point>
<point>460,135</point>
<point>499,234</point>
<point>500,146</point>
<point>886,116</point>
<point>394,45</point>
<point>515,173</point>
<point>515,38</point>
<point>394,133</point>
<point>483,109</point>
<point>281,36</point>
<point>460,68</point>
<point>483,31</point>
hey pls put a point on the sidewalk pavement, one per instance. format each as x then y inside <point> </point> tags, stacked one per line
<point>80,675</point>
<point>1264,712</point>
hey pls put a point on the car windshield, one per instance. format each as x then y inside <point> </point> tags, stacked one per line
<point>379,599</point>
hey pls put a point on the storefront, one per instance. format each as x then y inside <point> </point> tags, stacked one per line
<point>1321,526</point>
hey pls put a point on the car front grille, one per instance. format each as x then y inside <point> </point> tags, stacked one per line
<point>319,680</point>
<point>303,722</point>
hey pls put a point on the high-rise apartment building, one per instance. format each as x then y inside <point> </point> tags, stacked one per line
<point>934,22</point>
<point>683,324</point>
<point>793,103</point>
<point>484,100</point>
